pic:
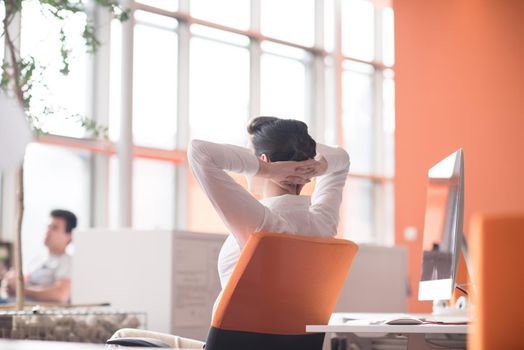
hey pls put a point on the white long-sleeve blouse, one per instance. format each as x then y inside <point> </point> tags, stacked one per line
<point>316,215</point>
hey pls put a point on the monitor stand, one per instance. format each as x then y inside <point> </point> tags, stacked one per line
<point>462,304</point>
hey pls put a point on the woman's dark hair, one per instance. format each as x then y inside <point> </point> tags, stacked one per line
<point>68,217</point>
<point>281,139</point>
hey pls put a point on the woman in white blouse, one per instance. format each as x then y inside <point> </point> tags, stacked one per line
<point>285,157</point>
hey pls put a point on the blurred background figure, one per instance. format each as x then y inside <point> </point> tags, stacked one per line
<point>50,281</point>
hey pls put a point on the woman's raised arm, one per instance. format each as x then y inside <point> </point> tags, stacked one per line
<point>239,210</point>
<point>327,197</point>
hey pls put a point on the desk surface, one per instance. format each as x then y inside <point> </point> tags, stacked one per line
<point>6,344</point>
<point>361,324</point>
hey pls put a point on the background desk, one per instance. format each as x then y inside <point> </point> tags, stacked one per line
<point>380,336</point>
<point>6,344</point>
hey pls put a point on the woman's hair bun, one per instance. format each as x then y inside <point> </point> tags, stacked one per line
<point>258,123</point>
<point>281,139</point>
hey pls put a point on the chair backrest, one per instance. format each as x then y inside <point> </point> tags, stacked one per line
<point>283,282</point>
<point>496,250</point>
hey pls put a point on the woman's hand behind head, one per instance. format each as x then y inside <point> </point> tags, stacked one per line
<point>292,175</point>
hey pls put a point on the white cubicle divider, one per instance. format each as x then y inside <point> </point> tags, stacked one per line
<point>377,281</point>
<point>170,275</point>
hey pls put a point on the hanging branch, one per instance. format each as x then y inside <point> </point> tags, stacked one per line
<point>12,7</point>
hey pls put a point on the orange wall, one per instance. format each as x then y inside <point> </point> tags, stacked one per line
<point>459,83</point>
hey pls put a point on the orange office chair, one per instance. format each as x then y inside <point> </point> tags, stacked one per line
<point>497,242</point>
<point>280,284</point>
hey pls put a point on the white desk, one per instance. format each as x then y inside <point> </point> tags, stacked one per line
<point>7,344</point>
<point>367,336</point>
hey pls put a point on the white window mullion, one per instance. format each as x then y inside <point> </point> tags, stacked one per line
<point>255,16</point>
<point>98,109</point>
<point>330,122</point>
<point>337,80</point>
<point>379,154</point>
<point>125,142</point>
<point>255,54</point>
<point>378,34</point>
<point>317,96</point>
<point>379,200</point>
<point>183,127</point>
<point>380,230</point>
<point>331,80</point>
<point>315,81</point>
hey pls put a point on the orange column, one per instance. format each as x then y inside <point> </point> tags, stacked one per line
<point>459,76</point>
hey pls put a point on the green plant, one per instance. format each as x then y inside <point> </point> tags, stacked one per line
<point>20,75</point>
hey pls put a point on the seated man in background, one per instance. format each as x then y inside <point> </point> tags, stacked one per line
<point>51,280</point>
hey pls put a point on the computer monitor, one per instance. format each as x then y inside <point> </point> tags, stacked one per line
<point>443,227</point>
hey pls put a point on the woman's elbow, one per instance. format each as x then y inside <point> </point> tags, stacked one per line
<point>344,158</point>
<point>196,151</point>
<point>195,146</point>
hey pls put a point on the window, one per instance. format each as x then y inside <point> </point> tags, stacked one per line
<point>388,37</point>
<point>283,82</point>
<point>170,5</point>
<point>154,81</point>
<point>358,210</point>
<point>358,29</point>
<point>289,20</point>
<point>114,192</point>
<point>219,75</point>
<point>388,124</point>
<point>115,80</point>
<point>358,115</point>
<point>66,95</point>
<point>232,13</point>
<point>202,69</point>
<point>54,176</point>
<point>154,124</point>
<point>368,120</point>
<point>153,194</point>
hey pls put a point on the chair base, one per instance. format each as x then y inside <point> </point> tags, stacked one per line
<point>220,339</point>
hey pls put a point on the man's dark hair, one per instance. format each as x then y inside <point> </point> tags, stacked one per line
<point>67,216</point>
<point>281,139</point>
